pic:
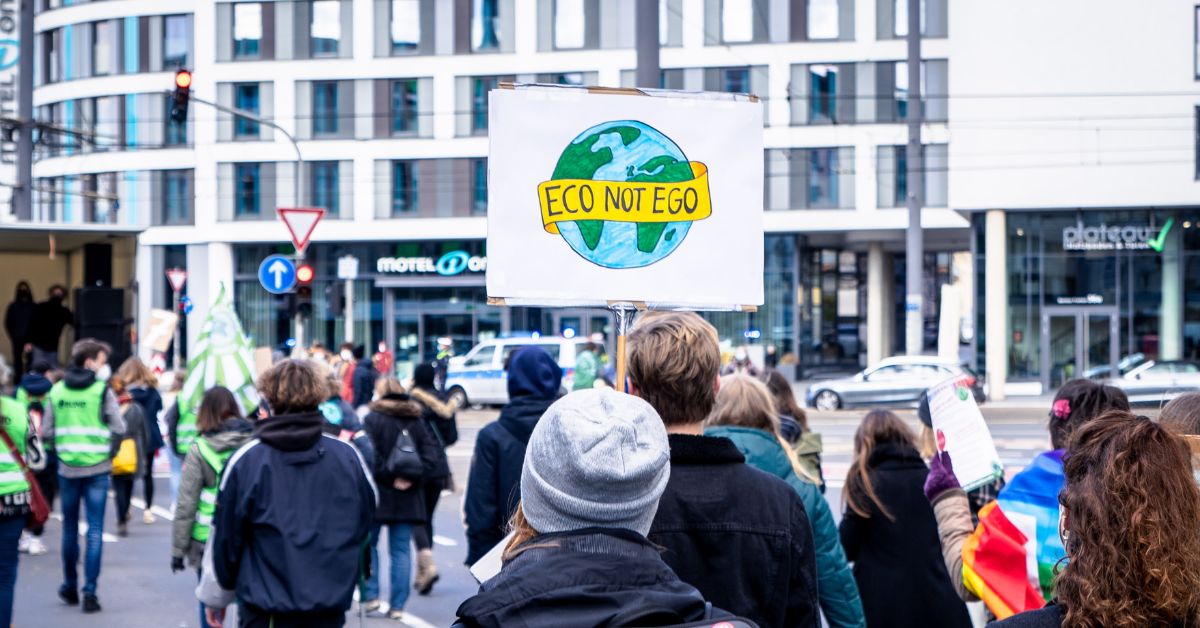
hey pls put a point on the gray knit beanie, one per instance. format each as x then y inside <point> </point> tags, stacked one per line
<point>597,458</point>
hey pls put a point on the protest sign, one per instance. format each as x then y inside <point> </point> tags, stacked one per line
<point>959,428</point>
<point>598,196</point>
<point>161,330</point>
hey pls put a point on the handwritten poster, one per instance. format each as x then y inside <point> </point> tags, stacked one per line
<point>959,428</point>
<point>597,197</point>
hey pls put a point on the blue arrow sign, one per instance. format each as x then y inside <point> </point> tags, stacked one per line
<point>277,274</point>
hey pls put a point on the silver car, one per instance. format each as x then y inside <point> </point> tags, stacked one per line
<point>1157,382</point>
<point>897,381</point>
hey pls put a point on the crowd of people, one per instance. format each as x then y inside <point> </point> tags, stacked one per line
<point>696,496</point>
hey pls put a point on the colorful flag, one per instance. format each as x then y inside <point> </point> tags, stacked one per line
<point>223,356</point>
<point>1009,560</point>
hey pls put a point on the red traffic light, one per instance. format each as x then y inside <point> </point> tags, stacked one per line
<point>183,79</point>
<point>304,273</point>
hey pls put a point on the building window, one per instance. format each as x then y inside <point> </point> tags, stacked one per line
<point>569,24</point>
<point>103,45</point>
<point>323,186</point>
<point>823,94</point>
<point>404,106</point>
<point>325,107</point>
<point>893,18</point>
<point>809,178</point>
<point>177,41</point>
<point>405,26</point>
<point>176,197</point>
<point>247,201</point>
<point>404,188</point>
<point>823,19</point>
<point>893,176</point>
<point>934,91</point>
<point>325,28</point>
<point>51,59</point>
<point>1196,35</point>
<point>822,178</point>
<point>485,25</point>
<point>479,102</point>
<point>1197,130</point>
<point>735,80</point>
<point>737,21</point>
<point>247,30</point>
<point>246,98</point>
<point>479,186</point>
<point>174,133</point>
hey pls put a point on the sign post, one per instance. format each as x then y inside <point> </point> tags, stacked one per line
<point>177,277</point>
<point>348,272</point>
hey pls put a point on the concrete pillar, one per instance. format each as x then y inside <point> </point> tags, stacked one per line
<point>1170,321</point>
<point>996,301</point>
<point>878,302</point>
<point>210,265</point>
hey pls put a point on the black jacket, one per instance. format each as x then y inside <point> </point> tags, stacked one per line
<point>494,485</point>
<point>593,577</point>
<point>901,575</point>
<point>388,417</point>
<point>152,405</point>
<point>739,535</point>
<point>49,318</point>
<point>18,320</point>
<point>292,518</point>
<point>1051,616</point>
<point>362,383</point>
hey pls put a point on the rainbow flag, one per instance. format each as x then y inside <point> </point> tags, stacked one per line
<point>1009,560</point>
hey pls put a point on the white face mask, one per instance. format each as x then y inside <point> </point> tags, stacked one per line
<point>104,372</point>
<point>740,356</point>
<point>347,356</point>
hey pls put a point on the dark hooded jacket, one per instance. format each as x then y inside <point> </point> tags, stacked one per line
<point>494,485</point>
<point>18,318</point>
<point>152,405</point>
<point>362,383</point>
<point>292,518</point>
<point>591,577</point>
<point>388,418</point>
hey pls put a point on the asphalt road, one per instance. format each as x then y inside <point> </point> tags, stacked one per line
<point>138,590</point>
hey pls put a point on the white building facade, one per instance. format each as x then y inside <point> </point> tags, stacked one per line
<point>387,100</point>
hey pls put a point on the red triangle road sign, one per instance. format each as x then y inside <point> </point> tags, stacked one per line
<point>177,277</point>
<point>300,221</point>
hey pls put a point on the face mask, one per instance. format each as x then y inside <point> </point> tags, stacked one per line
<point>104,372</point>
<point>740,356</point>
<point>347,356</point>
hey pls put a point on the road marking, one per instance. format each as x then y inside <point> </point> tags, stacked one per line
<point>157,511</point>
<point>444,541</point>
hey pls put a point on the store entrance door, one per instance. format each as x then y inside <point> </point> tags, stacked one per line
<point>1078,342</point>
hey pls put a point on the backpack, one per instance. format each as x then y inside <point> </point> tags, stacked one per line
<point>404,461</point>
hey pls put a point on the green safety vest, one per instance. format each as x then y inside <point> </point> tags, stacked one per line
<point>81,437</point>
<point>208,495</point>
<point>185,431</point>
<point>16,423</point>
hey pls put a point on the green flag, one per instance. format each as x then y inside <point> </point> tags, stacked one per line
<point>223,356</point>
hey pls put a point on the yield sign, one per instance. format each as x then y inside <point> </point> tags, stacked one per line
<point>177,277</point>
<point>300,222</point>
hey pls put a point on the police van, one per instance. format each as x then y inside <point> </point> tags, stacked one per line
<point>480,378</point>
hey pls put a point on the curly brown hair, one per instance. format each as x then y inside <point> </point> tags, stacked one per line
<point>292,387</point>
<point>1132,527</point>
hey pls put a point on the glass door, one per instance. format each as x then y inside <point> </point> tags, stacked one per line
<point>1062,353</point>
<point>1078,342</point>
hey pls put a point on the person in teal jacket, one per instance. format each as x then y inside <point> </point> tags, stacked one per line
<point>745,414</point>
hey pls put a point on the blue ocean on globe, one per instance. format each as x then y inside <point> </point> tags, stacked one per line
<point>617,247</point>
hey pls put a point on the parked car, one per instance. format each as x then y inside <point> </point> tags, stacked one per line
<point>1157,382</point>
<point>1126,364</point>
<point>898,381</point>
<point>480,377</point>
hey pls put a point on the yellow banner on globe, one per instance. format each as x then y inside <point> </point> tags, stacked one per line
<point>625,201</point>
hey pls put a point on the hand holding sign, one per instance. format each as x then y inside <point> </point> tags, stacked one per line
<point>963,435</point>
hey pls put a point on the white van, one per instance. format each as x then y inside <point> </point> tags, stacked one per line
<point>479,376</point>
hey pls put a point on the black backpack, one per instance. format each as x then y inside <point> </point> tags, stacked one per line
<point>404,461</point>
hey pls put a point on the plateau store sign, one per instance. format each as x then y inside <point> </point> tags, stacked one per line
<point>448,265</point>
<point>1104,237</point>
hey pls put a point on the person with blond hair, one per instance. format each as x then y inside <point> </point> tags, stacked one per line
<point>745,414</point>
<point>740,536</point>
<point>142,385</point>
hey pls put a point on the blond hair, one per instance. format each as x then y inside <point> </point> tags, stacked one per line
<point>134,372</point>
<point>744,401</point>
<point>674,361</point>
<point>388,386</point>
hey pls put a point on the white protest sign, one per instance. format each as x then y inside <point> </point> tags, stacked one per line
<point>960,430</point>
<point>597,197</point>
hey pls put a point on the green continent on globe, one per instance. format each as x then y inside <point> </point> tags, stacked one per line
<point>580,161</point>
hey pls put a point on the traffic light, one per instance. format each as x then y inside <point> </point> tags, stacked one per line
<point>183,91</point>
<point>304,290</point>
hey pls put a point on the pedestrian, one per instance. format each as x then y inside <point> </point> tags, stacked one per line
<point>1182,414</point>
<point>222,432</point>
<point>889,531</point>
<point>18,322</point>
<point>135,431</point>
<point>395,422</point>
<point>341,420</point>
<point>383,360</point>
<point>977,497</point>
<point>49,319</point>
<point>177,420</point>
<point>363,381</point>
<point>438,415</point>
<point>494,483</point>
<point>741,363</point>
<point>31,394</point>
<point>579,554</point>
<point>587,368</point>
<point>82,422</point>
<point>345,371</point>
<point>294,510</point>
<point>739,535</point>
<point>15,500</point>
<point>441,361</point>
<point>1131,528</point>
<point>142,385</point>
<point>793,427</point>
<point>745,414</point>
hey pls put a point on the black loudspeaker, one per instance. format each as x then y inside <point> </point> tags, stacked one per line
<point>97,265</point>
<point>100,314</point>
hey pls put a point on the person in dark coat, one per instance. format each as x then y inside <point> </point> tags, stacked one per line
<point>494,484</point>
<point>49,319</point>
<point>142,386</point>
<point>437,412</point>
<point>579,554</point>
<point>739,535</point>
<point>293,513</point>
<point>362,383</point>
<point>890,533</point>
<point>401,499</point>
<point>18,321</point>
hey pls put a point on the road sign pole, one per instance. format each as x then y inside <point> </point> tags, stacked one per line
<point>177,360</point>
<point>348,310</point>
